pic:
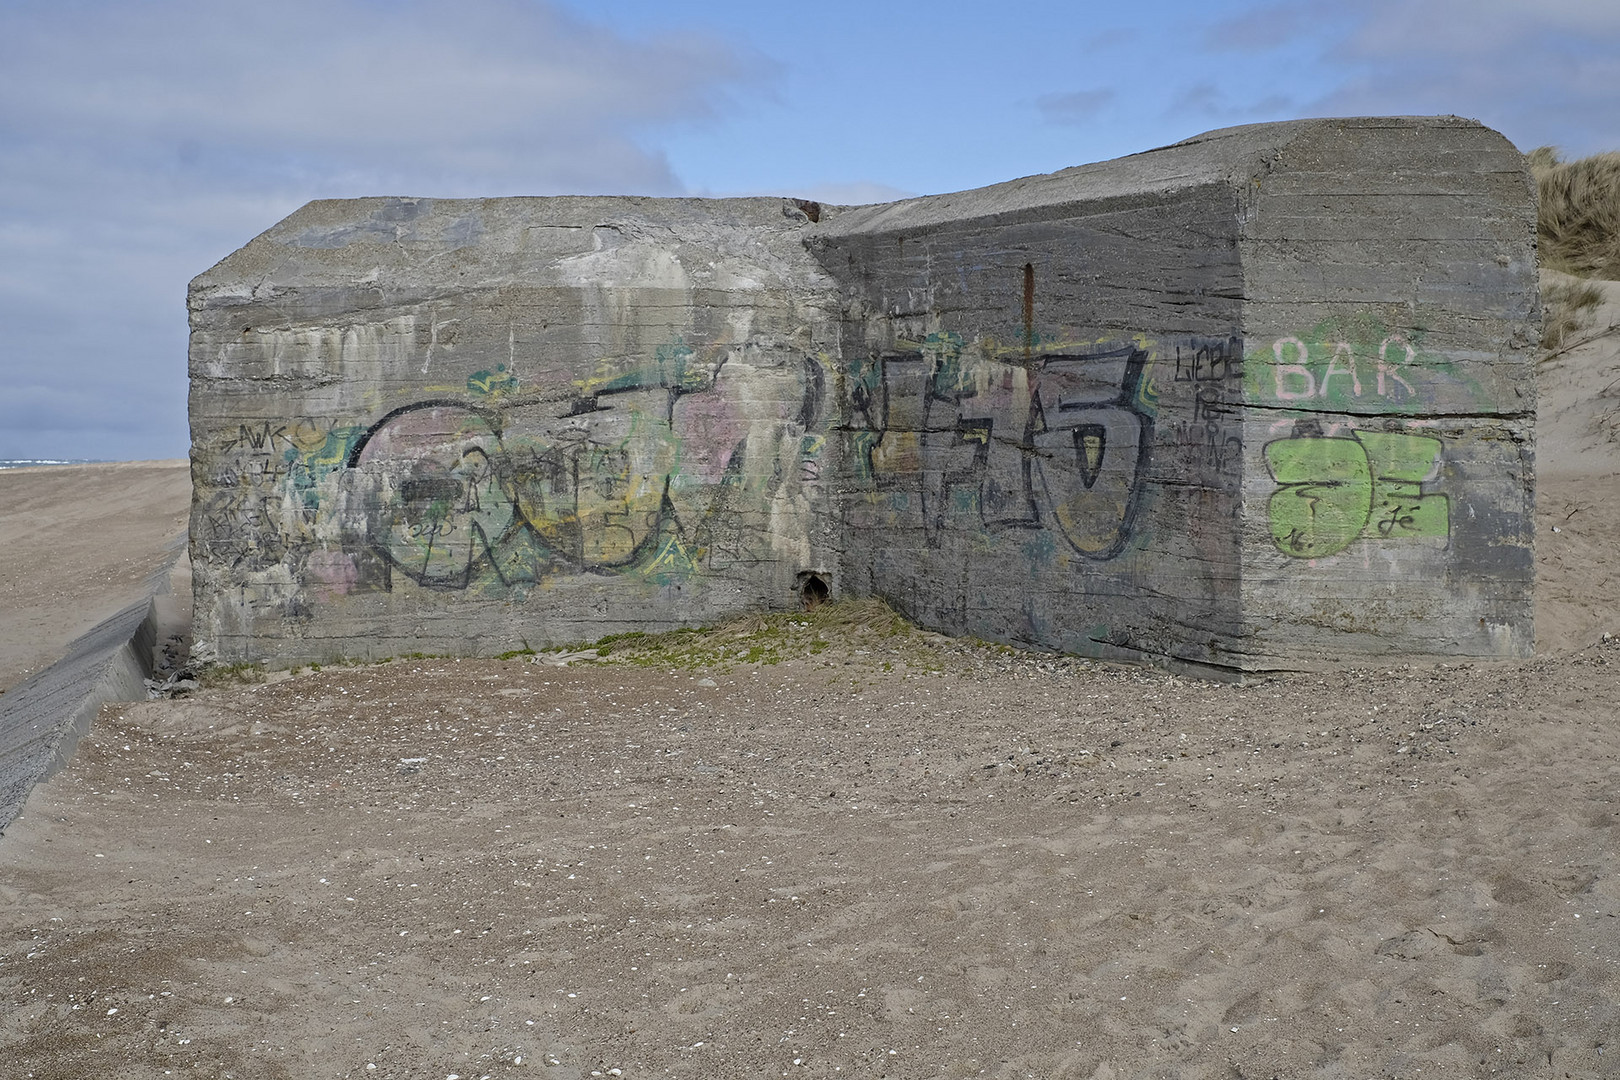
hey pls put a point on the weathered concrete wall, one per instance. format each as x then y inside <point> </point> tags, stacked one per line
<point>1391,318</point>
<point>446,427</point>
<point>1023,380</point>
<point>1255,399</point>
<point>1215,402</point>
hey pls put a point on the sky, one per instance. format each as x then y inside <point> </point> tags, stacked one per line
<point>142,141</point>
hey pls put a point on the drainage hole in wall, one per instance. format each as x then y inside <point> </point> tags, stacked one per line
<point>813,591</point>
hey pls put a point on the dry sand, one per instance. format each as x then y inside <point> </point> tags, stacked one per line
<point>1014,868</point>
<point>898,856</point>
<point>1578,494</point>
<point>80,543</point>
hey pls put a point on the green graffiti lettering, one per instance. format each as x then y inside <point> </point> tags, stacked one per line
<point>1368,486</point>
<point>1324,495</point>
<point>492,383</point>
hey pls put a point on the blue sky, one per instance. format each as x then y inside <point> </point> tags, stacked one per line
<point>142,141</point>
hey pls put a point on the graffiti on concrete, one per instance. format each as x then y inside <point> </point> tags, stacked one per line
<point>493,383</point>
<point>1355,365</point>
<point>1058,442</point>
<point>655,467</point>
<point>1336,486</point>
<point>1369,485</point>
<point>1213,431</point>
<point>666,467</point>
<point>1298,376</point>
<point>260,505</point>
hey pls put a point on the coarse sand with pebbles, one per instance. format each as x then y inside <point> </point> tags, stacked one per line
<point>884,854</point>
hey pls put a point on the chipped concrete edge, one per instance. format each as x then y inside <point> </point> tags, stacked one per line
<point>43,718</point>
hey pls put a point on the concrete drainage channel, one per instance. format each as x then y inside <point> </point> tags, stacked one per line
<point>43,718</point>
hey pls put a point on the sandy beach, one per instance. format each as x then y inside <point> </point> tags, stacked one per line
<point>81,542</point>
<point>888,854</point>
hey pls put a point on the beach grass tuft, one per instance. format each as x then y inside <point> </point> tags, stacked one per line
<point>1578,223</point>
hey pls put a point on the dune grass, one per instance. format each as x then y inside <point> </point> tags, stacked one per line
<point>1577,233</point>
<point>1578,226</point>
<point>1567,307</point>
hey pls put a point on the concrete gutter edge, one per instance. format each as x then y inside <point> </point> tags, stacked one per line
<point>43,718</point>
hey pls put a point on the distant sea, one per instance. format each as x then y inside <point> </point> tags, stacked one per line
<point>24,463</point>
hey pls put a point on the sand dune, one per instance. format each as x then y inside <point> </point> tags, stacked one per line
<point>1578,484</point>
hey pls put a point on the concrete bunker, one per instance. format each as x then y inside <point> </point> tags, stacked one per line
<point>1254,400</point>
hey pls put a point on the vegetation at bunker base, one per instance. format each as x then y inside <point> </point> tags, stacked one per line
<point>863,625</point>
<point>764,638</point>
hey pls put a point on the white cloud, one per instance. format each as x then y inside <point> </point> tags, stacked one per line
<point>1549,73</point>
<point>1543,72</point>
<point>1261,28</point>
<point>460,91</point>
<point>1074,109</point>
<point>1209,100</point>
<point>1461,26</point>
<point>852,193</point>
<point>142,142</point>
